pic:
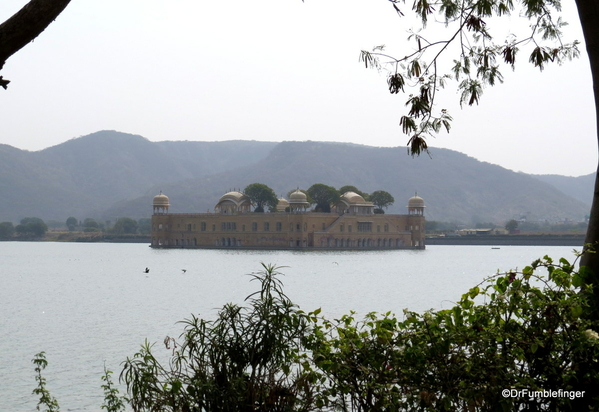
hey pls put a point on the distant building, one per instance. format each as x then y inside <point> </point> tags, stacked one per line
<point>352,224</point>
<point>483,232</point>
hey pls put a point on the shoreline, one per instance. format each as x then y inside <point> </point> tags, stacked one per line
<point>83,237</point>
<point>576,240</point>
<point>509,240</point>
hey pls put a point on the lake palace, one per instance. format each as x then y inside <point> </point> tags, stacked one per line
<point>351,224</point>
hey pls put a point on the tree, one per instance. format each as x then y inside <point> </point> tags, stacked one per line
<point>33,226</point>
<point>6,230</point>
<point>323,196</point>
<point>72,223</point>
<point>144,226</point>
<point>26,25</point>
<point>90,225</point>
<point>261,196</point>
<point>125,225</point>
<point>511,225</point>
<point>381,199</point>
<point>478,58</point>
<point>477,64</point>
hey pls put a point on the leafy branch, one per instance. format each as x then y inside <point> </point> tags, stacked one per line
<point>46,399</point>
<point>477,64</point>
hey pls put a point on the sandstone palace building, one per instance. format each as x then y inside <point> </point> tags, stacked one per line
<point>351,224</point>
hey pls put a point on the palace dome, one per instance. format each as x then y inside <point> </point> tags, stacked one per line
<point>233,202</point>
<point>160,200</point>
<point>234,195</point>
<point>298,196</point>
<point>416,201</point>
<point>282,204</point>
<point>353,197</point>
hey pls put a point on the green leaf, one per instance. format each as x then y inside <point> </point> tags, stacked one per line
<point>576,311</point>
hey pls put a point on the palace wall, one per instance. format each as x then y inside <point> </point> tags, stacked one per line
<point>284,230</point>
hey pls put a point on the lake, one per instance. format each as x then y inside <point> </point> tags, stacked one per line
<point>86,304</point>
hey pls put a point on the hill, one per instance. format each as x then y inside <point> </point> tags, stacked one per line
<point>580,187</point>
<point>110,174</point>
<point>84,176</point>
<point>455,187</point>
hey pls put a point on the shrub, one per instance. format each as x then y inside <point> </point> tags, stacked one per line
<point>248,359</point>
<point>528,333</point>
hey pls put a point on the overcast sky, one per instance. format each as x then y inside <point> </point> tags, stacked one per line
<point>272,70</point>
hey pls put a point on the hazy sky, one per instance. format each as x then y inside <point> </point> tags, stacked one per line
<point>272,70</point>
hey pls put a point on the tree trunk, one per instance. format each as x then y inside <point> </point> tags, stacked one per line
<point>27,24</point>
<point>588,11</point>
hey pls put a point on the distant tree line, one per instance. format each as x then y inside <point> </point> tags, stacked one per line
<point>123,225</point>
<point>33,228</point>
<point>512,225</point>
<point>29,227</point>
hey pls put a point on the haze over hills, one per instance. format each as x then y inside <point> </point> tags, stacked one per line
<point>110,174</point>
<point>580,187</point>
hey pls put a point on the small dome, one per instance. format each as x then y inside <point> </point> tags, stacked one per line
<point>282,204</point>
<point>353,197</point>
<point>416,201</point>
<point>161,200</point>
<point>298,196</point>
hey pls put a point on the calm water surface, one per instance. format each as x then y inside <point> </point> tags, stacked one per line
<point>90,304</point>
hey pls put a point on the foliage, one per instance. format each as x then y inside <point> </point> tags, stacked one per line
<point>6,230</point>
<point>144,226</point>
<point>477,56</point>
<point>91,223</point>
<point>51,404</point>
<point>381,199</point>
<point>125,225</point>
<point>72,223</point>
<point>511,225</point>
<point>261,196</point>
<point>248,359</point>
<point>437,226</point>
<point>323,196</point>
<point>32,226</point>
<point>112,401</point>
<point>521,331</point>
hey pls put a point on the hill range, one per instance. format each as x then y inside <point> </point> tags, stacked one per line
<point>108,174</point>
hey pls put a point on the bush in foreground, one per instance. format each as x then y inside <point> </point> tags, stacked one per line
<point>519,333</point>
